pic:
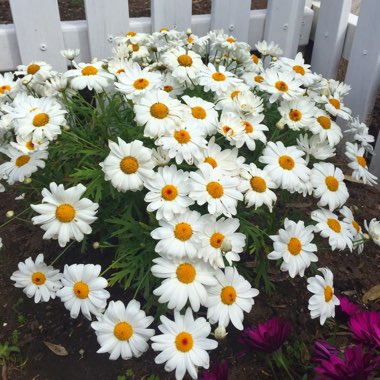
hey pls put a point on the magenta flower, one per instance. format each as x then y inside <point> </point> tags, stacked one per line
<point>357,365</point>
<point>365,328</point>
<point>267,337</point>
<point>346,308</point>
<point>322,350</point>
<point>218,371</point>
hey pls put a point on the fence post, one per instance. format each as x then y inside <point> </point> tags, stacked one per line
<point>283,24</point>
<point>171,14</point>
<point>232,16</point>
<point>38,31</point>
<point>329,36</point>
<point>105,21</point>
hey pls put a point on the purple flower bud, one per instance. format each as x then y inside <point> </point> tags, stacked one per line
<point>322,350</point>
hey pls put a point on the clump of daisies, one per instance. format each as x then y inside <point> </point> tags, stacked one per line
<point>180,154</point>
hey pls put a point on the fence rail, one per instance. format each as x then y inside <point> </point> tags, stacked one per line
<point>39,34</point>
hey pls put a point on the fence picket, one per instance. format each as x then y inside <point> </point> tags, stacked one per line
<point>232,16</point>
<point>105,21</point>
<point>283,24</point>
<point>329,36</point>
<point>171,14</point>
<point>38,31</point>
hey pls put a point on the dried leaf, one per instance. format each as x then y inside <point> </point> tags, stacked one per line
<point>372,295</point>
<point>56,349</point>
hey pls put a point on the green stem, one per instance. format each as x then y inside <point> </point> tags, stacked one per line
<point>62,253</point>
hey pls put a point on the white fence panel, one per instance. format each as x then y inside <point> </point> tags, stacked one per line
<point>283,24</point>
<point>232,16</point>
<point>171,14</point>
<point>106,19</point>
<point>38,30</point>
<point>329,36</point>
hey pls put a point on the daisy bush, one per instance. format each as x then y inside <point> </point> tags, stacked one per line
<point>181,156</point>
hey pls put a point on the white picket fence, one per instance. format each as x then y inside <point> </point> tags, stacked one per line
<point>39,34</point>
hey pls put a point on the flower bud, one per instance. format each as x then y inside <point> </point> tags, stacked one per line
<point>220,333</point>
<point>27,180</point>
<point>226,245</point>
<point>189,31</point>
<point>281,124</point>
<point>96,245</point>
<point>10,214</point>
<point>66,127</point>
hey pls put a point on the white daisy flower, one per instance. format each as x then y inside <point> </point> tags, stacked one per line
<point>217,80</point>
<point>8,85</point>
<point>297,114</point>
<point>359,164</point>
<point>360,133</point>
<point>323,301</point>
<point>184,280</point>
<point>271,49</point>
<point>218,191</point>
<point>185,142</point>
<point>158,112</point>
<point>225,101</point>
<point>256,185</point>
<point>329,226</point>
<point>226,160</point>
<point>64,215</point>
<point>183,64</point>
<point>281,85</point>
<point>70,54</point>
<point>373,229</point>
<point>36,71</point>
<point>128,165</point>
<point>27,146</point>
<point>160,156</point>
<point>293,245</point>
<point>134,82</point>
<point>90,75</point>
<point>202,114</point>
<point>122,330</point>
<point>254,79</point>
<point>37,279</point>
<point>326,128</point>
<point>21,165</point>
<point>229,298</point>
<point>168,193</point>
<point>83,290</point>
<point>247,104</point>
<point>219,240</point>
<point>285,165</point>
<point>179,236</point>
<point>184,344</point>
<point>327,181</point>
<point>231,128</point>
<point>253,131</point>
<point>172,86</point>
<point>354,227</point>
<point>335,107</point>
<point>314,147</point>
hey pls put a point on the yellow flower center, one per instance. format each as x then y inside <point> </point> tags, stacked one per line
<point>198,112</point>
<point>231,40</point>
<point>258,184</point>
<point>183,231</point>
<point>228,130</point>
<point>356,226</point>
<point>234,94</point>
<point>168,88</point>
<point>169,192</point>
<point>29,145</point>
<point>255,58</point>
<point>361,161</point>
<point>294,246</point>
<point>324,121</point>
<point>332,183</point>
<point>164,30</point>
<point>120,71</point>
<point>215,189</point>
<point>334,224</point>
<point>123,331</point>
<point>140,84</point>
<point>135,47</point>
<point>4,88</point>
<point>89,70</point>
<point>129,165</point>
<point>22,160</point>
<point>186,273</point>
<point>33,68</point>
<point>295,115</point>
<point>65,213</point>
<point>189,40</point>
<point>228,295</point>
<point>41,119</point>
<point>258,79</point>
<point>38,278</point>
<point>182,136</point>
<point>185,60</point>
<point>335,103</point>
<point>81,290</point>
<point>299,69</point>
<point>211,161</point>
<point>218,77</point>
<point>216,240</point>
<point>184,342</point>
<point>281,86</point>
<point>159,110</point>
<point>286,162</point>
<point>248,126</point>
<point>131,34</point>
<point>328,293</point>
